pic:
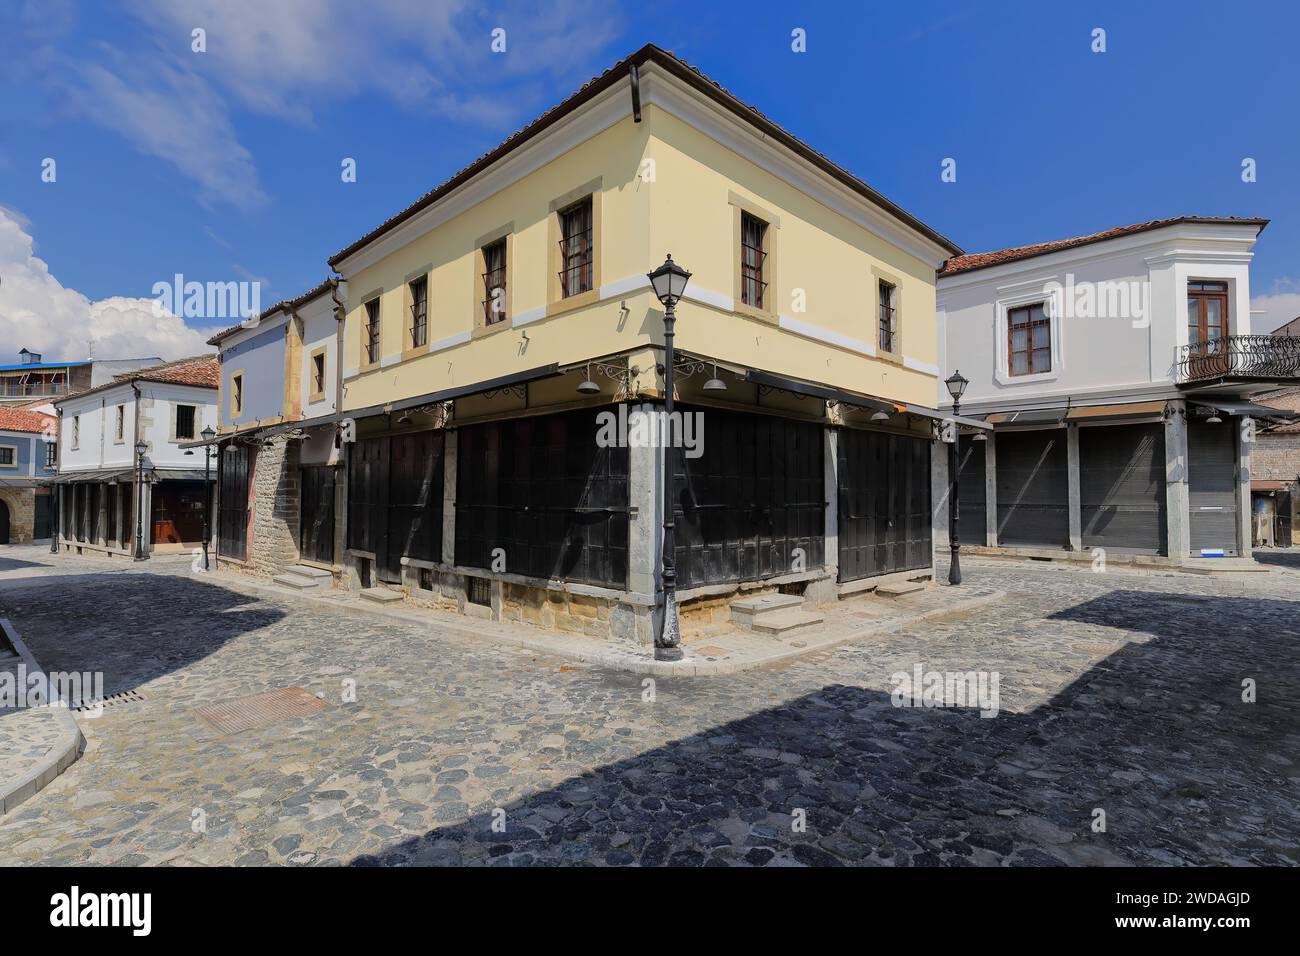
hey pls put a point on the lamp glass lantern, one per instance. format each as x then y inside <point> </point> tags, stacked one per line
<point>956,383</point>
<point>669,281</point>
<point>140,449</point>
<point>208,433</point>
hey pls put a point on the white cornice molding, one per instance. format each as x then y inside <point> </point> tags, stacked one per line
<point>1191,242</point>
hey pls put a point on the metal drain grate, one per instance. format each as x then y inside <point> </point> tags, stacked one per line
<point>230,717</point>
<point>111,700</point>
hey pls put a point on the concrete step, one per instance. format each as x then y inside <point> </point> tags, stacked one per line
<point>307,571</point>
<point>296,581</point>
<point>787,623</point>
<point>304,578</point>
<point>746,611</point>
<point>898,589</point>
<point>381,595</point>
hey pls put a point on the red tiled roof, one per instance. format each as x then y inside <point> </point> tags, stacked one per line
<point>23,420</point>
<point>982,260</point>
<point>201,371</point>
<point>597,84</point>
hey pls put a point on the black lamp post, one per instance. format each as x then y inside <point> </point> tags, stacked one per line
<point>956,388</point>
<point>140,449</point>
<point>208,434</point>
<point>669,282</point>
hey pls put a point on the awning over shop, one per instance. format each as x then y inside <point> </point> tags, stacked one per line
<point>1085,413</point>
<point>1269,485</point>
<point>1029,416</point>
<point>1245,409</point>
<point>127,475</point>
<point>829,394</point>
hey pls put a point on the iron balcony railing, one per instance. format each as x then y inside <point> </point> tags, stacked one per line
<point>1239,356</point>
<point>37,390</point>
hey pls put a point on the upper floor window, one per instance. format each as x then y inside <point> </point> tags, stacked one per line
<point>576,251</point>
<point>185,422</point>
<point>236,395</point>
<point>1029,340</point>
<point>318,374</point>
<point>1207,312</point>
<point>419,311</point>
<point>753,256</point>
<point>370,339</point>
<point>8,456</point>
<point>887,316</point>
<point>119,425</point>
<point>76,431</point>
<point>494,282</point>
<point>51,454</point>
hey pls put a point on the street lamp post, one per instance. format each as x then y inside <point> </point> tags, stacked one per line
<point>208,434</point>
<point>669,282</point>
<point>140,449</point>
<point>956,388</point>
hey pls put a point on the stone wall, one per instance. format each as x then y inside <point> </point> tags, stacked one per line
<point>275,507</point>
<point>22,513</point>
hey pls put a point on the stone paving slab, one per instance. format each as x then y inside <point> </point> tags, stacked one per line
<point>1118,692</point>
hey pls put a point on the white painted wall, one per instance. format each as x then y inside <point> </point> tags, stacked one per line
<point>98,448</point>
<point>1096,358</point>
<point>320,330</point>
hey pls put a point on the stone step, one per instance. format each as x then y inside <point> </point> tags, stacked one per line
<point>899,588</point>
<point>746,611</point>
<point>787,623</point>
<point>296,581</point>
<point>307,571</point>
<point>381,595</point>
<point>304,578</point>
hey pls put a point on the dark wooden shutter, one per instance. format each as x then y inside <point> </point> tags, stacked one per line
<point>541,490</point>
<point>884,503</point>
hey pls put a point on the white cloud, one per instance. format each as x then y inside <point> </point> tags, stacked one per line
<point>292,60</point>
<point>39,313</point>
<point>168,112</point>
<point>1279,307</point>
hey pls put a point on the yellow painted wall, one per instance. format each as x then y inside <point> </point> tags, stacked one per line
<point>456,288</point>
<point>818,250</point>
<point>684,211</point>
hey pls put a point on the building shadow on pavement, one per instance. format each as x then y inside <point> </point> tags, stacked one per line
<point>131,626</point>
<point>1288,558</point>
<point>1155,734</point>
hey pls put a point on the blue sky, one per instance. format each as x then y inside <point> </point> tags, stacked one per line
<point>225,165</point>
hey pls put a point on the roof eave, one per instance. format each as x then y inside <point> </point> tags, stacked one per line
<point>647,54</point>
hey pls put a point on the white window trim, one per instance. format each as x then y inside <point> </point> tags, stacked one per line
<point>119,410</point>
<point>1052,302</point>
<point>14,463</point>
<point>176,411</point>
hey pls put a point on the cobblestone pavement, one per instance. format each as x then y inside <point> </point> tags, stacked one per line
<point>1119,693</point>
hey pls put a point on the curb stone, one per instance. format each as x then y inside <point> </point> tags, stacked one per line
<point>69,747</point>
<point>617,658</point>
